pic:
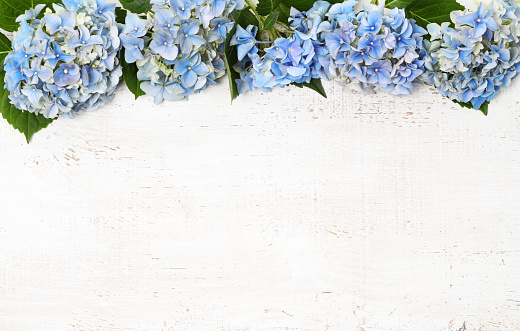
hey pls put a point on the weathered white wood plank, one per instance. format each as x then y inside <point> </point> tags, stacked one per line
<point>283,211</point>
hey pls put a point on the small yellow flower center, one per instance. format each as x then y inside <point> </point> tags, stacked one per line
<point>61,27</point>
<point>43,53</point>
<point>189,68</point>
<point>371,43</point>
<point>479,20</point>
<point>201,14</point>
<point>83,42</point>
<point>218,26</point>
<point>135,46</point>
<point>186,35</point>
<point>377,70</point>
<point>165,43</point>
<point>135,29</point>
<point>169,25</point>
<point>100,12</point>
<point>373,28</point>
<point>277,48</point>
<point>65,71</point>
<point>182,8</point>
<point>399,38</point>
<point>341,42</point>
<point>57,55</point>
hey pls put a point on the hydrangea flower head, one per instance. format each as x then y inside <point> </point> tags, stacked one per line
<point>375,49</point>
<point>65,62</point>
<point>179,46</point>
<point>287,60</point>
<point>479,56</point>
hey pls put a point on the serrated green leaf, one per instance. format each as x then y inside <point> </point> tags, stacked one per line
<point>244,18</point>
<point>130,77</point>
<point>304,4</point>
<point>121,15</point>
<point>25,122</point>
<point>5,48</point>
<point>425,12</point>
<point>270,21</point>
<point>266,7</point>
<point>11,9</point>
<point>315,84</point>
<point>484,108</point>
<point>136,6</point>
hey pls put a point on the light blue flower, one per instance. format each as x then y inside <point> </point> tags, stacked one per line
<point>31,13</point>
<point>190,69</point>
<point>133,48</point>
<point>481,20</point>
<point>188,37</point>
<point>182,8</point>
<point>74,5</point>
<point>370,23</point>
<point>171,91</point>
<point>134,26</point>
<point>166,20</point>
<point>67,74</point>
<point>245,40</point>
<point>163,44</point>
<point>84,39</point>
<point>65,22</point>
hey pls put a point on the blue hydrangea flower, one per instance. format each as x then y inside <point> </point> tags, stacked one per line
<point>478,57</point>
<point>292,59</point>
<point>66,62</point>
<point>179,47</point>
<point>377,49</point>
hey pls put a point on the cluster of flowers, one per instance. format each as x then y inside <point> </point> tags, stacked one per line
<point>292,59</point>
<point>178,49</point>
<point>65,62</point>
<point>477,58</point>
<point>362,51</point>
<point>372,50</point>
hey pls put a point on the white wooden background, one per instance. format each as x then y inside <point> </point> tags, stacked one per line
<point>284,211</point>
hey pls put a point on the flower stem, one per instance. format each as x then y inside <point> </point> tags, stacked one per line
<point>251,4</point>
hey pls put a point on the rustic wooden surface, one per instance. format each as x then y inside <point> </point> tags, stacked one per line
<point>284,211</point>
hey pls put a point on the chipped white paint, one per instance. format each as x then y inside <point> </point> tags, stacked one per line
<point>282,212</point>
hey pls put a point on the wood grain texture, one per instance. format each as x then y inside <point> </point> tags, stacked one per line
<point>284,211</point>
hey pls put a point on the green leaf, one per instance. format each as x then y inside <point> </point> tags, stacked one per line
<point>425,12</point>
<point>11,9</point>
<point>5,48</point>
<point>484,108</point>
<point>266,7</point>
<point>391,4</point>
<point>304,4</point>
<point>130,77</point>
<point>25,122</point>
<point>244,18</point>
<point>121,15</point>
<point>270,21</point>
<point>315,84</point>
<point>284,13</point>
<point>136,6</point>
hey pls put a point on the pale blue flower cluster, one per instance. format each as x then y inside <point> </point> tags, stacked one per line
<point>473,61</point>
<point>67,61</point>
<point>373,49</point>
<point>293,59</point>
<point>179,48</point>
